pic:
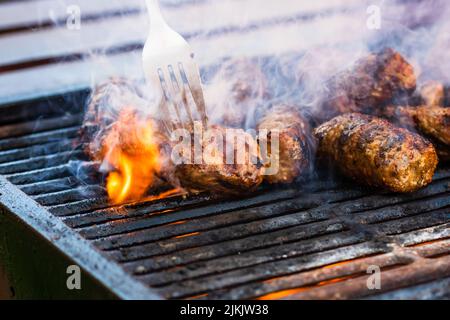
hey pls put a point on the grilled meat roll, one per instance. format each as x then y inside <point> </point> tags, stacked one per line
<point>373,81</point>
<point>113,123</point>
<point>295,144</point>
<point>104,106</point>
<point>401,116</point>
<point>435,122</point>
<point>234,92</point>
<point>431,121</point>
<point>447,96</point>
<point>432,93</point>
<point>230,164</point>
<point>374,151</point>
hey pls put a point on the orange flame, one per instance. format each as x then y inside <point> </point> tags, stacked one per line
<point>131,147</point>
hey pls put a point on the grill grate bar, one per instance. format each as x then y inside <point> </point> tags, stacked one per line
<point>72,195</point>
<point>421,271</point>
<point>434,290</point>
<point>87,171</point>
<point>50,186</point>
<point>35,151</point>
<point>435,218</point>
<point>72,208</point>
<point>438,186</point>
<point>41,162</point>
<point>217,235</point>
<point>93,211</point>
<point>39,175</point>
<point>209,206</point>
<point>168,205</point>
<point>407,209</point>
<point>40,125</point>
<point>423,235</point>
<point>38,138</point>
<point>412,223</point>
<point>270,270</point>
<point>233,247</point>
<point>272,210</point>
<point>275,288</point>
<point>434,250</point>
<point>301,281</point>
<point>252,258</point>
<point>240,247</point>
<point>275,209</point>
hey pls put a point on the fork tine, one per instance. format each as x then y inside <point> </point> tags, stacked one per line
<point>194,85</point>
<point>168,126</point>
<point>178,121</point>
<point>180,93</point>
<point>175,95</point>
<point>183,85</point>
<point>169,97</point>
<point>187,104</point>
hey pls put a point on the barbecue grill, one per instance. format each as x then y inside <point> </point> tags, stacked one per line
<point>315,240</point>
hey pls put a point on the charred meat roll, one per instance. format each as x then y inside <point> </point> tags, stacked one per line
<point>447,96</point>
<point>428,93</point>
<point>432,93</point>
<point>234,92</point>
<point>229,163</point>
<point>371,83</point>
<point>435,122</point>
<point>104,106</point>
<point>431,121</point>
<point>401,116</point>
<point>295,144</point>
<point>125,141</point>
<point>377,153</point>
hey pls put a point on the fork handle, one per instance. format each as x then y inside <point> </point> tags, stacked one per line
<point>154,12</point>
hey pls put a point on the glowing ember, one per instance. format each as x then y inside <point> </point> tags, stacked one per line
<point>289,292</point>
<point>131,148</point>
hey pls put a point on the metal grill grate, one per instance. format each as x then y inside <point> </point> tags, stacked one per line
<point>312,241</point>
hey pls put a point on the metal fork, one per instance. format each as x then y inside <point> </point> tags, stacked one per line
<point>169,64</point>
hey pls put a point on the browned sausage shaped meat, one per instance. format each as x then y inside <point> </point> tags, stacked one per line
<point>434,121</point>
<point>371,83</point>
<point>109,101</point>
<point>295,143</point>
<point>375,152</point>
<point>431,121</point>
<point>235,91</point>
<point>216,173</point>
<point>432,93</point>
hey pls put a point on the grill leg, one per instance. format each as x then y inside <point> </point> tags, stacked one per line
<point>6,291</point>
<point>35,269</point>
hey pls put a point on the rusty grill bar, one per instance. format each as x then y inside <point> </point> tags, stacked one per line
<point>311,241</point>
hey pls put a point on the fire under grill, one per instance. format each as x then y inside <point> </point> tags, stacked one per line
<point>316,240</point>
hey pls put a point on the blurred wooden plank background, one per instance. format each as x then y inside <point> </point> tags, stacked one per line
<point>41,55</point>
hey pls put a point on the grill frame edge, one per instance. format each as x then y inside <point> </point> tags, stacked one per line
<point>103,276</point>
